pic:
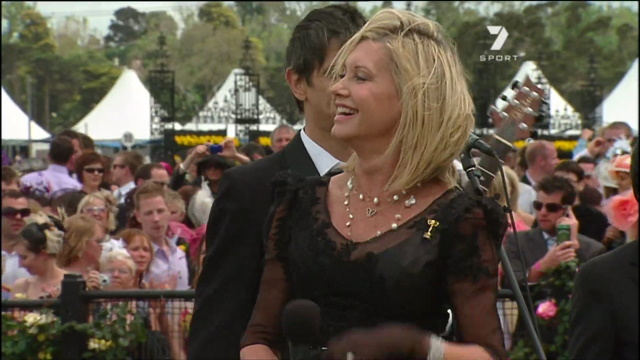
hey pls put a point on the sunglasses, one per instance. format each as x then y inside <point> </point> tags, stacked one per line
<point>94,210</point>
<point>11,212</point>
<point>94,170</point>
<point>551,207</point>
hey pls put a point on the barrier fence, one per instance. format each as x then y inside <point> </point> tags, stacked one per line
<point>163,315</point>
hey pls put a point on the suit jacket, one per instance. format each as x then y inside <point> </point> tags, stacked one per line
<point>525,180</point>
<point>534,248</point>
<point>228,286</point>
<point>604,307</point>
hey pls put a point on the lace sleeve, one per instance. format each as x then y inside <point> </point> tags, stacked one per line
<point>472,255</point>
<point>264,326</point>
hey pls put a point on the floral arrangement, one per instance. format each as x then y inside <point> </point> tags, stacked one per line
<point>552,314</point>
<point>113,334</point>
<point>622,211</point>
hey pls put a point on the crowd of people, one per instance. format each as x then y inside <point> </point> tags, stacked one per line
<point>363,211</point>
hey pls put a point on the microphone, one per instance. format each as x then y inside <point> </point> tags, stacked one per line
<point>301,323</point>
<point>475,142</point>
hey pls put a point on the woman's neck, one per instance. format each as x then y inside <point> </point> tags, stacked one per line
<point>90,189</point>
<point>51,272</point>
<point>79,267</point>
<point>373,173</point>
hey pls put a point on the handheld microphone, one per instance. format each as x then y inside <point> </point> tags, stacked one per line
<point>301,322</point>
<point>475,142</point>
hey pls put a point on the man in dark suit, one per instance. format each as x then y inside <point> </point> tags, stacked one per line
<point>604,306</point>
<point>228,286</point>
<point>540,250</point>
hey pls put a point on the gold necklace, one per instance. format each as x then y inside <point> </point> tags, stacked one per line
<point>370,211</point>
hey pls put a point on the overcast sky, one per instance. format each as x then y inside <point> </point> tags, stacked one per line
<point>100,13</point>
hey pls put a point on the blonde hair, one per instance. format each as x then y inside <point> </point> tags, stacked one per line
<point>435,99</point>
<point>174,198</point>
<point>115,255</point>
<point>512,188</point>
<point>78,230</point>
<point>110,203</point>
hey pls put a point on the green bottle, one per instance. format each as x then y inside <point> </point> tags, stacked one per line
<point>563,233</point>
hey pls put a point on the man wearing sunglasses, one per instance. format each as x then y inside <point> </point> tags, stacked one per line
<point>15,208</point>
<point>541,251</point>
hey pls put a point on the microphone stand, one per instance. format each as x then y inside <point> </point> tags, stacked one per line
<point>474,175</point>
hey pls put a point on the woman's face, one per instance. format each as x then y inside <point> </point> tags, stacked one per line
<point>120,274</point>
<point>367,103</point>
<point>92,248</point>
<point>33,263</point>
<point>92,175</point>
<point>140,251</point>
<point>97,209</point>
<point>623,180</point>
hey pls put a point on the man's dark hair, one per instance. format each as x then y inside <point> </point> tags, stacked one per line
<point>587,160</point>
<point>13,194</point>
<point>557,184</point>
<point>86,142</point>
<point>590,196</point>
<point>313,35</point>
<point>132,159</point>
<point>72,134</point>
<point>144,171</point>
<point>251,148</point>
<point>61,150</point>
<point>570,166</point>
<point>9,175</point>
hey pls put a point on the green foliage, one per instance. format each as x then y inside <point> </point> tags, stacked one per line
<point>72,71</point>
<point>129,25</point>
<point>113,334</point>
<point>219,16</point>
<point>555,286</point>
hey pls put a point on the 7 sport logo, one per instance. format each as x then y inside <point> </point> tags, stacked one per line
<point>502,36</point>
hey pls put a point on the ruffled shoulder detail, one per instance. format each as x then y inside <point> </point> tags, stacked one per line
<point>472,227</point>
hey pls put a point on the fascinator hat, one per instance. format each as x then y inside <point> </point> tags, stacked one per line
<point>52,233</point>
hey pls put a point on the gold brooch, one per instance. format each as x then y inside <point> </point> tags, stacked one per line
<point>432,224</point>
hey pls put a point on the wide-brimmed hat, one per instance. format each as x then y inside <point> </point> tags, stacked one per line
<point>213,161</point>
<point>622,163</point>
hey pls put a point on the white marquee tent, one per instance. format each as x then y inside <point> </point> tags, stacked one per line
<point>126,107</point>
<point>622,103</point>
<point>269,118</point>
<point>557,104</point>
<point>14,123</point>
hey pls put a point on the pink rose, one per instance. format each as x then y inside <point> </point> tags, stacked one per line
<point>622,210</point>
<point>547,309</point>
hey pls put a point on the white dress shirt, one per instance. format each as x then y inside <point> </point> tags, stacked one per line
<point>320,157</point>
<point>121,192</point>
<point>11,270</point>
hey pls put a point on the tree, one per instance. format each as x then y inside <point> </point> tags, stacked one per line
<point>218,16</point>
<point>129,25</point>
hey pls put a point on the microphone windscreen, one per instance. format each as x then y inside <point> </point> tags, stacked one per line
<point>301,322</point>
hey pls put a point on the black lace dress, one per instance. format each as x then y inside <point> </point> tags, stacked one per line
<point>399,276</point>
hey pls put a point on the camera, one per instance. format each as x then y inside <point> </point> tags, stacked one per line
<point>215,149</point>
<point>104,280</point>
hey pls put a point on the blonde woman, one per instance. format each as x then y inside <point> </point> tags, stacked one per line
<point>102,206</point>
<point>386,247</point>
<point>81,250</point>
<point>523,221</point>
<point>40,242</point>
